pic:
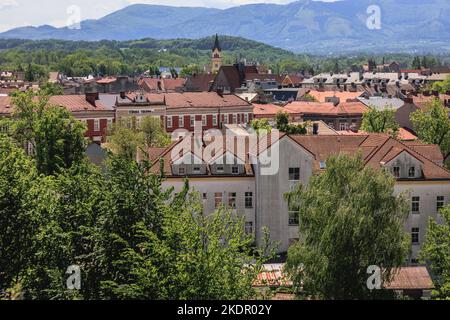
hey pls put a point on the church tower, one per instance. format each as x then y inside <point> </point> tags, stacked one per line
<point>216,60</point>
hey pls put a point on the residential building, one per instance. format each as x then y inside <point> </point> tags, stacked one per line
<point>423,181</point>
<point>337,115</point>
<point>87,108</point>
<point>183,110</point>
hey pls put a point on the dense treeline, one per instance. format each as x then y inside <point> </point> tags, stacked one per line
<point>129,238</point>
<point>81,58</point>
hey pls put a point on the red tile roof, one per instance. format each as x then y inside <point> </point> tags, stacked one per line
<point>343,96</point>
<point>326,108</point>
<point>410,278</point>
<point>73,103</point>
<point>5,105</point>
<point>194,99</point>
<point>375,149</point>
<point>163,84</point>
<point>267,110</point>
<point>76,103</point>
<point>107,80</point>
<point>201,82</point>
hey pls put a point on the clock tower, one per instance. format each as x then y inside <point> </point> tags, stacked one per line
<point>216,59</point>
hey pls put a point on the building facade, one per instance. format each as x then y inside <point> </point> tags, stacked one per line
<point>259,197</point>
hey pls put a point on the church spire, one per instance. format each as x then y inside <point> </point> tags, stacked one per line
<point>216,44</point>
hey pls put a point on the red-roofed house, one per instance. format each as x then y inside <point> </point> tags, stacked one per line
<point>87,108</point>
<point>182,110</point>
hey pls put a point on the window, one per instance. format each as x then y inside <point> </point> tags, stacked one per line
<point>248,200</point>
<point>109,123</point>
<point>294,174</point>
<point>204,120</point>
<point>205,196</point>
<point>217,199</point>
<point>96,125</point>
<point>234,118</point>
<point>232,200</point>
<point>181,171</point>
<point>415,204</point>
<point>181,121</point>
<point>214,119</point>
<point>169,121</point>
<point>293,218</point>
<point>322,165</point>
<point>192,121</point>
<point>196,170</point>
<point>415,235</point>
<point>331,125</point>
<point>396,171</point>
<point>412,172</point>
<point>225,118</point>
<point>220,169</point>
<point>439,203</point>
<point>248,227</point>
<point>246,118</point>
<point>234,170</point>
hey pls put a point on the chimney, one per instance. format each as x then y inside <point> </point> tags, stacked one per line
<point>91,97</point>
<point>315,128</point>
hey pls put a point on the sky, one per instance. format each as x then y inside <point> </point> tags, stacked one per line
<point>19,13</point>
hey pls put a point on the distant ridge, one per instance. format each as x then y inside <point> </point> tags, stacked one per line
<point>302,26</point>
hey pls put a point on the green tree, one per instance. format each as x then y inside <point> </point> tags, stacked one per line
<point>436,253</point>
<point>381,121</point>
<point>19,212</point>
<point>442,86</point>
<point>349,219</point>
<point>50,133</point>
<point>124,140</point>
<point>51,89</point>
<point>261,124</point>
<point>69,235</point>
<point>153,132</point>
<point>281,119</point>
<point>432,125</point>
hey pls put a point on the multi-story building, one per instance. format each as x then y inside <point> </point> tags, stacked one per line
<point>181,110</point>
<point>244,184</point>
<point>88,108</point>
<point>336,114</point>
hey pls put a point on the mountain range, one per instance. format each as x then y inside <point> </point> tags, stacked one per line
<point>302,26</point>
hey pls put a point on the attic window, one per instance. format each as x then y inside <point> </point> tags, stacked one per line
<point>412,172</point>
<point>396,171</point>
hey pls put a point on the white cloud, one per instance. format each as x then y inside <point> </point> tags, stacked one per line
<point>4,4</point>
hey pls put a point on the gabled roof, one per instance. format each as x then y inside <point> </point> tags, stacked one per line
<point>326,108</point>
<point>169,159</point>
<point>192,99</point>
<point>320,96</point>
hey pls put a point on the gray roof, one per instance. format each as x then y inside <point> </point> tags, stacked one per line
<point>380,103</point>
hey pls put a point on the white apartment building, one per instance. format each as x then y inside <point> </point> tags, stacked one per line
<point>242,183</point>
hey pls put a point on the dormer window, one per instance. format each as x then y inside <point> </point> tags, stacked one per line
<point>220,169</point>
<point>181,171</point>
<point>196,170</point>
<point>396,172</point>
<point>412,172</point>
<point>234,170</point>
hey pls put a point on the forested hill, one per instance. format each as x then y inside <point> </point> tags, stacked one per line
<point>110,57</point>
<point>301,26</point>
<point>127,57</point>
